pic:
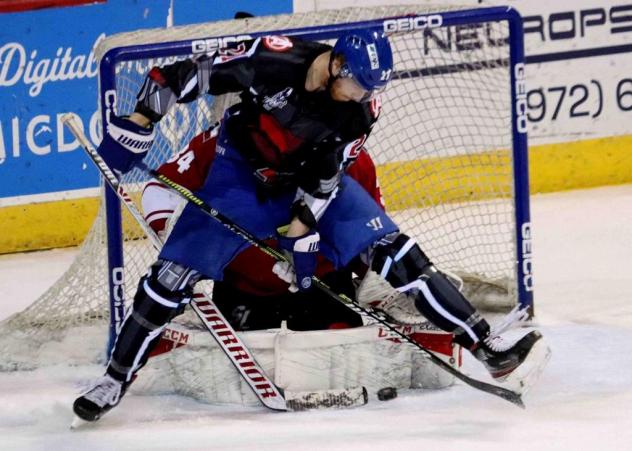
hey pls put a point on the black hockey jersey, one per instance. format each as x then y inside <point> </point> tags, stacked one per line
<point>278,125</point>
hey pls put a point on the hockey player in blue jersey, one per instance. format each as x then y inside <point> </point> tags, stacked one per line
<point>305,111</point>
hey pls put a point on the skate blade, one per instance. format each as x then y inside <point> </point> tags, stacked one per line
<point>523,378</point>
<point>77,423</point>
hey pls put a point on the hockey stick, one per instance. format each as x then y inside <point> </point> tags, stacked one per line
<point>502,392</point>
<point>237,352</point>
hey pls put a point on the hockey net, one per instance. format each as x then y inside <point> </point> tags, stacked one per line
<point>443,147</point>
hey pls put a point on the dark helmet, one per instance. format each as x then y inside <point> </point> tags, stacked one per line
<point>368,58</point>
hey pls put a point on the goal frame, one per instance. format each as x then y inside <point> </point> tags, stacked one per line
<point>523,240</point>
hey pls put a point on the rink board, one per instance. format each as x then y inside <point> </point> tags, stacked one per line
<point>552,167</point>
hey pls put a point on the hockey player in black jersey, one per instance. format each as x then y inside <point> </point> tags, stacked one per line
<point>306,109</point>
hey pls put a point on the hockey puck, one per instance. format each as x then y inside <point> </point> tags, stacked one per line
<point>386,393</point>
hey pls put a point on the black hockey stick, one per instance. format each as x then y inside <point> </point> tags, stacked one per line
<point>504,393</point>
<point>227,339</point>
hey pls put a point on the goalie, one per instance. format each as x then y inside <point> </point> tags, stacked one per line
<point>251,296</point>
<point>306,109</point>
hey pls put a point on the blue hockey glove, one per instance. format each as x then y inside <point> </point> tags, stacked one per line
<point>302,252</point>
<point>125,143</point>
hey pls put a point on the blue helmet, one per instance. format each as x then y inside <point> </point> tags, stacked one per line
<point>368,58</point>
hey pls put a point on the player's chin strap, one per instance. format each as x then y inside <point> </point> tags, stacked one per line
<point>332,78</point>
<point>227,339</point>
<point>343,72</point>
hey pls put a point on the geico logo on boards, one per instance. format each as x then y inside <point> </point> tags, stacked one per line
<point>19,64</point>
<point>521,98</point>
<point>212,44</point>
<point>412,23</point>
<point>527,265</point>
<point>583,23</point>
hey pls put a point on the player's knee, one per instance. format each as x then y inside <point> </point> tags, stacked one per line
<point>164,292</point>
<point>400,260</point>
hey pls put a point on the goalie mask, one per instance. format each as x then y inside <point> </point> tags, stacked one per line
<point>366,58</point>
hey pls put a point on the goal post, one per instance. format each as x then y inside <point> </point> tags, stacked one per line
<point>450,148</point>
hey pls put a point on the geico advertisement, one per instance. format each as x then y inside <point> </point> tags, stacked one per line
<point>48,68</point>
<point>578,78</point>
<point>42,76</point>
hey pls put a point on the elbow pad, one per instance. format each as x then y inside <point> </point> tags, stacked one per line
<point>155,97</point>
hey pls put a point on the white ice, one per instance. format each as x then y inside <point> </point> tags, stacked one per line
<point>583,253</point>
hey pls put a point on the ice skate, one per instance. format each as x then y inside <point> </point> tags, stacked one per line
<point>105,395</point>
<point>517,365</point>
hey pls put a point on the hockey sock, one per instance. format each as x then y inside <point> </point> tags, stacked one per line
<point>161,295</point>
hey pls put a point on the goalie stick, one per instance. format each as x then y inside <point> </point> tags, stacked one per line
<point>237,352</point>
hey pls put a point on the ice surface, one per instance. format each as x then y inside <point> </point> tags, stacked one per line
<point>583,267</point>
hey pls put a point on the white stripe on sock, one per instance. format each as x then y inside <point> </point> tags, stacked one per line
<point>425,289</point>
<point>410,243</point>
<point>153,334</point>
<point>159,299</point>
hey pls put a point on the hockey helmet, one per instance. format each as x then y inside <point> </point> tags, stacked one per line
<point>368,58</point>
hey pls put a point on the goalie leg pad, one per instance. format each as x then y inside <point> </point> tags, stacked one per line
<point>162,294</point>
<point>401,262</point>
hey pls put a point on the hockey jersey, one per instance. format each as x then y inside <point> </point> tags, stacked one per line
<point>250,271</point>
<point>291,136</point>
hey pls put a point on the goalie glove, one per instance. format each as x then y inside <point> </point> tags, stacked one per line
<point>301,252</point>
<point>125,143</point>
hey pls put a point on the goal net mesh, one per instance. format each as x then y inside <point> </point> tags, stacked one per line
<point>442,147</point>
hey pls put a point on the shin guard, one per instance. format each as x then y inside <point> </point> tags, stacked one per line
<point>161,295</point>
<point>402,263</point>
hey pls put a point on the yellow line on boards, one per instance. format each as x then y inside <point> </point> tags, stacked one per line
<point>552,167</point>
<point>46,225</point>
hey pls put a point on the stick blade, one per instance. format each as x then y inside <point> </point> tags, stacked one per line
<point>327,399</point>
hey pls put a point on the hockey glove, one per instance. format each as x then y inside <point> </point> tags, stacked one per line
<point>125,143</point>
<point>301,252</point>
